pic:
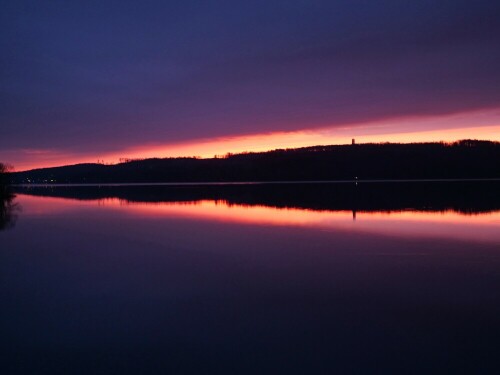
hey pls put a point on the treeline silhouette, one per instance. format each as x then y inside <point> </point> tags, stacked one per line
<point>461,196</point>
<point>463,159</point>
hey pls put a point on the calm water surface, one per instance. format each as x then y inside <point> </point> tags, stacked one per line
<point>251,280</point>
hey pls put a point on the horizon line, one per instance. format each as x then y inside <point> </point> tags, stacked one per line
<point>229,154</point>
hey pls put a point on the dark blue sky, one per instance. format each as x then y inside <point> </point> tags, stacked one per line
<point>86,77</point>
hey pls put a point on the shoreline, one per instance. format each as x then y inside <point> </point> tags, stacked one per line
<point>215,183</point>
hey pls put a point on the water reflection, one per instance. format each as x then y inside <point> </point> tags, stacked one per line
<point>252,280</point>
<point>463,197</point>
<point>445,224</point>
<point>448,210</point>
<point>8,211</point>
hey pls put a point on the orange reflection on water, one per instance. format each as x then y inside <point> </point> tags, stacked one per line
<point>438,224</point>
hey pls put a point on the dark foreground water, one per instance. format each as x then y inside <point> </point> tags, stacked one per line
<point>319,279</point>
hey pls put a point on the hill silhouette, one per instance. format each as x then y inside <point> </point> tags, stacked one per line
<point>463,159</point>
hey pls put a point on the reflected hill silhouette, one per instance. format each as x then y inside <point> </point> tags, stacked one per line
<point>462,196</point>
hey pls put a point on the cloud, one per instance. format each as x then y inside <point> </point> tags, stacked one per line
<point>95,77</point>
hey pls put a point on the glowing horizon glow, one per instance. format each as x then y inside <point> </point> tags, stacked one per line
<point>482,125</point>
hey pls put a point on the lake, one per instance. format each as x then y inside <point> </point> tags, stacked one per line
<point>251,279</point>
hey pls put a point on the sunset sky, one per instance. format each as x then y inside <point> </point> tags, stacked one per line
<point>82,81</point>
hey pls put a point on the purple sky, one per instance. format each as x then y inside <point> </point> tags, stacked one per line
<point>88,77</point>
